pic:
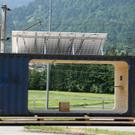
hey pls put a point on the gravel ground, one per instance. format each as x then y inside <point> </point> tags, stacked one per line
<point>19,130</point>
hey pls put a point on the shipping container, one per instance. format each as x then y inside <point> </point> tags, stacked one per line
<point>14,84</point>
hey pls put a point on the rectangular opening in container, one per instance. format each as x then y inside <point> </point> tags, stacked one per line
<point>84,86</point>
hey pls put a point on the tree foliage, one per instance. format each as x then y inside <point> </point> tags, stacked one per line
<point>94,78</point>
<point>115,17</point>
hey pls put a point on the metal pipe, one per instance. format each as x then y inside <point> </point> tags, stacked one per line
<point>17,45</point>
<point>47,86</point>
<point>102,104</point>
<point>33,25</point>
<point>50,20</point>
<point>0,38</point>
<point>48,64</point>
<point>3,28</point>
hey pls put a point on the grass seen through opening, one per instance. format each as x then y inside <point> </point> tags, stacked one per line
<point>77,100</point>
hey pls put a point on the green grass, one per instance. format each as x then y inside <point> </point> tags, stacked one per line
<point>80,130</point>
<point>45,128</point>
<point>37,94</point>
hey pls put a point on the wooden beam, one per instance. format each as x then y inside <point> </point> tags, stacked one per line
<point>64,122</point>
<point>90,118</point>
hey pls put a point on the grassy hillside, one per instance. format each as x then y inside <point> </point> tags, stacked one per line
<point>115,17</point>
<point>69,96</point>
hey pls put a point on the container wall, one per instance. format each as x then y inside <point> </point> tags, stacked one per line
<point>133,88</point>
<point>14,83</point>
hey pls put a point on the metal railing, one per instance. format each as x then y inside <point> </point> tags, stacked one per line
<point>102,107</point>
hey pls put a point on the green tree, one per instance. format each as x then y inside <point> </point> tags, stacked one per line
<point>42,81</point>
<point>34,80</point>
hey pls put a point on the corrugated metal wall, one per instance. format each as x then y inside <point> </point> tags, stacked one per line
<point>13,89</point>
<point>14,81</point>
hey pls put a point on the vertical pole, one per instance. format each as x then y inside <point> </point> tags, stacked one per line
<point>3,28</point>
<point>0,38</point>
<point>35,47</point>
<point>48,64</point>
<point>44,45</point>
<point>47,86</point>
<point>73,49</point>
<point>50,20</point>
<point>16,44</point>
<point>102,53</point>
<point>102,104</point>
